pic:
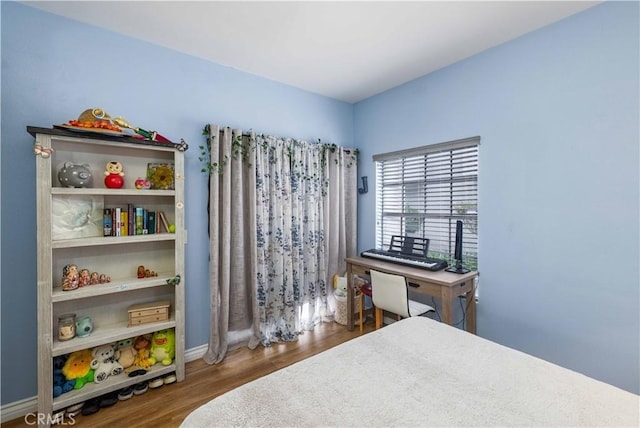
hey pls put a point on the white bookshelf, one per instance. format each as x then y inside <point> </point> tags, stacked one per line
<point>116,257</point>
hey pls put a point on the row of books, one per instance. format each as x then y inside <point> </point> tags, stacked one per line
<point>133,220</point>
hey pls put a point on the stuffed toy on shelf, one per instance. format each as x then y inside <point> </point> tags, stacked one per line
<point>104,362</point>
<point>61,384</point>
<point>163,347</point>
<point>142,346</point>
<point>78,368</point>
<point>125,353</point>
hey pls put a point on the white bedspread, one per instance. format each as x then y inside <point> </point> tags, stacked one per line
<point>418,372</point>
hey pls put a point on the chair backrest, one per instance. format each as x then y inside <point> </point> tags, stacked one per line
<point>389,292</point>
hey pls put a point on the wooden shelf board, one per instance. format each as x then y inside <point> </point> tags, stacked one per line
<point>107,334</point>
<point>112,287</point>
<point>117,141</point>
<point>112,240</point>
<point>110,192</point>
<point>113,383</point>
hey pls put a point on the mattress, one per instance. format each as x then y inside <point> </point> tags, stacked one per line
<point>419,372</point>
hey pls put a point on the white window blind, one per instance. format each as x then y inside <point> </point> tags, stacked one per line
<point>422,192</point>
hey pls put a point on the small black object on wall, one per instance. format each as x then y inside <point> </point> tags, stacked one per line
<point>365,186</point>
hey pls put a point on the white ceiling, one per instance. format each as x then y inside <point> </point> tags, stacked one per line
<point>344,50</point>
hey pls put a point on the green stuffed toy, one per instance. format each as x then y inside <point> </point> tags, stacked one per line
<point>163,346</point>
<point>78,367</point>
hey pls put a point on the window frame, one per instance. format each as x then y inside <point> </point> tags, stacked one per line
<point>399,186</point>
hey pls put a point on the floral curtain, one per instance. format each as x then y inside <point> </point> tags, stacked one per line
<point>291,264</point>
<point>282,221</point>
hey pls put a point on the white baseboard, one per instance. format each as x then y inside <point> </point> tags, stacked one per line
<point>195,353</point>
<point>18,409</point>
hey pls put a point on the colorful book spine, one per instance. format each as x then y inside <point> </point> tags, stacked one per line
<point>163,219</point>
<point>131,218</point>
<point>107,222</point>
<point>139,220</point>
<point>151,219</point>
<point>118,221</point>
<point>145,222</point>
<point>114,222</point>
<point>124,223</point>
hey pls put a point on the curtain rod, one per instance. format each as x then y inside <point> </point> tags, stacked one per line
<point>347,150</point>
<point>249,134</point>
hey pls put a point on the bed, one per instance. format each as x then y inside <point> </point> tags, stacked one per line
<point>419,372</point>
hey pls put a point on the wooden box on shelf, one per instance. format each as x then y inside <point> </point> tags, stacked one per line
<point>144,313</point>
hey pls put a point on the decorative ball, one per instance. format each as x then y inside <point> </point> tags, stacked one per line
<point>172,228</point>
<point>114,181</point>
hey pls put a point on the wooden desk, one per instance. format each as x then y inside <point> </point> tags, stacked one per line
<point>445,285</point>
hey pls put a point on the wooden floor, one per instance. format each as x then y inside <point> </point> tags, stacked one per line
<point>168,405</point>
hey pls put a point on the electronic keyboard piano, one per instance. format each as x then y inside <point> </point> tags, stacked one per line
<point>409,251</point>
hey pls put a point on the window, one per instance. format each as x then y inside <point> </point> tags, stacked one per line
<point>422,192</point>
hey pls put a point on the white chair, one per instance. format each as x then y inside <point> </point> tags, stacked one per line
<point>390,293</point>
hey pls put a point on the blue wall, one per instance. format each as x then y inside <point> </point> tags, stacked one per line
<point>52,69</point>
<point>557,112</point>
